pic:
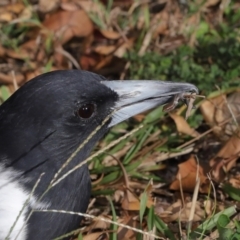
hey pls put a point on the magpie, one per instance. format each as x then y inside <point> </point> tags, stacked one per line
<point>42,124</point>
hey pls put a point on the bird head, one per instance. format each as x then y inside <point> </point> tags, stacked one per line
<point>59,110</point>
<point>46,120</point>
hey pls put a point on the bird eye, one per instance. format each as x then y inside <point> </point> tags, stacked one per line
<point>86,110</point>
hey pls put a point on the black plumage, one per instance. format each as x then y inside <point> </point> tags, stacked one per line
<point>44,122</point>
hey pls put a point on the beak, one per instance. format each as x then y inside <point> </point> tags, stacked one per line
<point>136,96</point>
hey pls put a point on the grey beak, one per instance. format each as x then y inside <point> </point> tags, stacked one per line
<point>136,96</point>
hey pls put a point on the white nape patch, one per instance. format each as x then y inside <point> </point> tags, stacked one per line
<point>12,198</point>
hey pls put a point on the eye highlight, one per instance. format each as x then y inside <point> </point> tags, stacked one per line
<point>86,111</point>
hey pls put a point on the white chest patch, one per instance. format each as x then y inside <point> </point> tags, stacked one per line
<point>12,198</point>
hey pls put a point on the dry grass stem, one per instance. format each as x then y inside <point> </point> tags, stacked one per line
<point>101,219</point>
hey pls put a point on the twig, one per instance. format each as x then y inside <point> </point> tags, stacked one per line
<point>193,207</point>
<point>123,74</point>
<point>14,80</point>
<point>101,219</point>
<point>68,56</point>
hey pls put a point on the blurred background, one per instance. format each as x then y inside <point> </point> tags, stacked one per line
<point>173,178</point>
<point>196,41</point>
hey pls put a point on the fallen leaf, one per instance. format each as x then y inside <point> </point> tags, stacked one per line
<point>222,109</point>
<point>211,3</point>
<point>110,34</point>
<point>208,108</point>
<point>183,126</point>
<point>15,8</point>
<point>26,14</point>
<point>188,171</point>
<point>103,62</point>
<point>132,202</point>
<point>48,6</point>
<point>8,79</point>
<point>87,62</point>
<point>2,51</point>
<point>95,236</point>
<point>229,109</point>
<point>69,6</point>
<point>235,181</point>
<point>105,50</point>
<point>6,17</point>
<point>100,224</point>
<point>226,158</point>
<point>69,24</point>
<point>32,49</point>
<point>91,7</point>
<point>124,233</point>
<point>178,212</point>
<point>209,206</point>
<point>10,11</point>
<point>162,21</point>
<point>124,47</point>
<point>140,117</point>
<point>32,74</point>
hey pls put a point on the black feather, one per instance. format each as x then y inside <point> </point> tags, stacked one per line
<point>39,130</point>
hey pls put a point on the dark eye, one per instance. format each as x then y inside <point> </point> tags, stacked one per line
<point>86,110</point>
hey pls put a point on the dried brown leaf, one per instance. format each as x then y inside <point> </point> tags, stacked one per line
<point>31,49</point>
<point>226,158</point>
<point>209,206</point>
<point>208,108</point>
<point>99,224</point>
<point>179,212</point>
<point>127,45</point>
<point>162,21</point>
<point>105,49</point>
<point>104,61</point>
<point>220,109</point>
<point>69,6</point>
<point>87,62</point>
<point>124,233</point>
<point>2,51</point>
<point>109,34</point>
<point>6,17</point>
<point>91,7</point>
<point>229,109</point>
<point>26,14</point>
<point>8,78</point>
<point>188,171</point>
<point>10,11</point>
<point>235,181</point>
<point>211,3</point>
<point>183,126</point>
<point>48,6</point>
<point>95,236</point>
<point>69,24</point>
<point>132,202</point>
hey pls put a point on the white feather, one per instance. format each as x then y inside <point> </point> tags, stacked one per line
<point>12,198</point>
